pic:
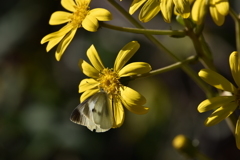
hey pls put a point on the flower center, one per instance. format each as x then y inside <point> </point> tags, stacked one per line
<point>79,15</point>
<point>109,81</point>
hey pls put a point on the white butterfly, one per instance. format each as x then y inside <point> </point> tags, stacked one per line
<point>95,113</point>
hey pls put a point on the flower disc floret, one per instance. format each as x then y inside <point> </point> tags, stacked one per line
<point>79,15</point>
<point>109,81</point>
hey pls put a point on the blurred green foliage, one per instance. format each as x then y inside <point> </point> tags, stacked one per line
<point>38,94</point>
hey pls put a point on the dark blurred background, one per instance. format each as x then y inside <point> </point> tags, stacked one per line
<point>38,94</point>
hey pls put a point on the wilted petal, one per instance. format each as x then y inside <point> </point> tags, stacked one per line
<point>118,112</point>
<point>87,94</point>
<point>237,133</point>
<point>59,17</point>
<point>220,114</point>
<point>216,80</point>
<point>235,67</point>
<point>94,58</point>
<point>68,5</point>
<point>125,54</point>
<point>90,23</point>
<point>149,10</point>
<point>64,44</point>
<point>135,5</point>
<point>134,69</point>
<point>87,84</point>
<point>87,69</point>
<point>101,14</point>
<point>215,102</point>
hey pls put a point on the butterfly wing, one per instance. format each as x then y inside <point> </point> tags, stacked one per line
<point>101,110</point>
<point>82,115</point>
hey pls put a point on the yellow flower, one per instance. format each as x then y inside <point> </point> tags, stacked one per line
<point>182,7</point>
<point>224,106</point>
<point>109,80</point>
<point>81,16</point>
<point>152,7</point>
<point>149,10</point>
<point>218,10</point>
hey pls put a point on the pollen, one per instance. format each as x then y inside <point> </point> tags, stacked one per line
<point>109,81</point>
<point>81,11</point>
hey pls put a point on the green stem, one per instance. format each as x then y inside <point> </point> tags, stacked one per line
<point>173,33</point>
<point>136,24</point>
<point>166,69</point>
<point>185,67</point>
<point>203,51</point>
<point>236,19</point>
<point>200,45</point>
<point>206,50</point>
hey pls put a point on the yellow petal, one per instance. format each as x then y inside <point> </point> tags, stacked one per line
<point>134,69</point>
<point>87,69</point>
<point>131,96</point>
<point>198,11</point>
<point>235,67</point>
<point>136,109</point>
<point>90,23</point>
<point>215,102</point>
<point>220,114</point>
<point>182,7</point>
<point>83,2</point>
<point>64,44</point>
<point>191,1</point>
<point>237,133</point>
<point>125,54</point>
<point>101,14</point>
<point>166,7</point>
<point>68,5</point>
<point>216,16</point>
<point>149,10</point>
<point>216,80</point>
<point>133,100</point>
<point>87,94</point>
<point>94,58</point>
<point>118,112</point>
<point>59,17</point>
<point>87,84</point>
<point>55,35</point>
<point>135,5</point>
<point>222,7</point>
<point>53,43</point>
